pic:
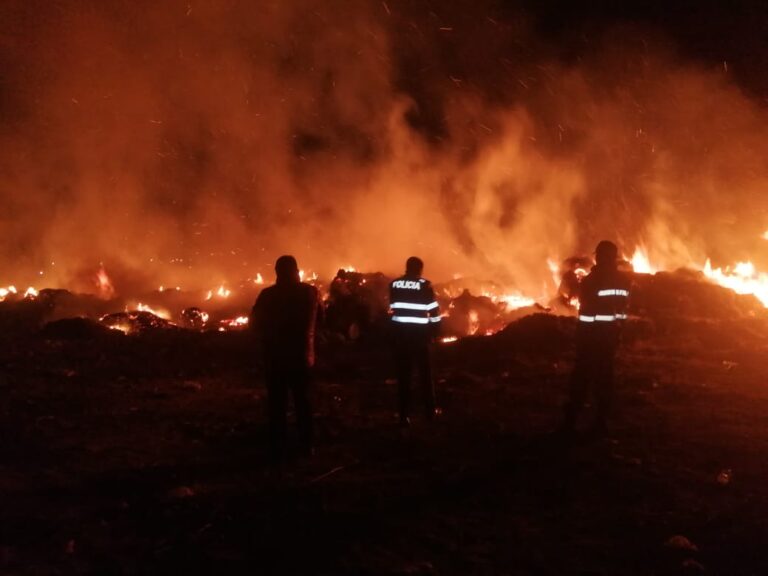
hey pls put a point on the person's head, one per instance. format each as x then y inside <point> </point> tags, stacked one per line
<point>606,253</point>
<point>287,269</point>
<point>414,266</point>
<point>341,274</point>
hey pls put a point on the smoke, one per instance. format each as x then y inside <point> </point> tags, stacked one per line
<point>193,142</point>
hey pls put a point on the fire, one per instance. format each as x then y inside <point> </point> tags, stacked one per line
<point>239,322</point>
<point>641,264</point>
<point>310,277</point>
<point>5,292</point>
<point>474,322</point>
<point>159,312</point>
<point>448,339</point>
<point>259,279</point>
<point>743,278</point>
<point>31,293</point>
<point>124,328</point>
<point>104,284</point>
<point>221,292</point>
<point>514,301</point>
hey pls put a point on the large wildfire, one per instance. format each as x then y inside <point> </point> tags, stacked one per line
<point>150,149</point>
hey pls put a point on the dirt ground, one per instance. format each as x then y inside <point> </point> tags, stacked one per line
<point>145,455</point>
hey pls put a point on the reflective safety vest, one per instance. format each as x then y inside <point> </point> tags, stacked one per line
<point>603,296</point>
<point>412,302</point>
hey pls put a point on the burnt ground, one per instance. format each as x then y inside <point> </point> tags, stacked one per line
<point>145,455</point>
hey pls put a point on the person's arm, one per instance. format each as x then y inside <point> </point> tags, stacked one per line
<point>256,318</point>
<point>433,312</point>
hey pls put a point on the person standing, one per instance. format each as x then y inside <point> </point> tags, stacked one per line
<point>415,319</point>
<point>284,319</point>
<point>603,297</point>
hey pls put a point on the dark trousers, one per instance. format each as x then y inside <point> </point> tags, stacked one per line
<point>412,352</point>
<point>592,374</point>
<point>280,380</point>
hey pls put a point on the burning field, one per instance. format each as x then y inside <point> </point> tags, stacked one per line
<point>156,158</point>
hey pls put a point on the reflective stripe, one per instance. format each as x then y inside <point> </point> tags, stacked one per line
<point>602,318</point>
<point>435,319</point>
<point>410,320</point>
<point>614,292</point>
<point>412,306</point>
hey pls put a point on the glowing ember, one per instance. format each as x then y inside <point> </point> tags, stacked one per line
<point>448,339</point>
<point>259,279</point>
<point>743,278</point>
<point>239,322</point>
<point>31,293</point>
<point>641,264</point>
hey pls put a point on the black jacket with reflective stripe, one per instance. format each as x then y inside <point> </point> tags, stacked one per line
<point>604,296</point>
<point>412,302</point>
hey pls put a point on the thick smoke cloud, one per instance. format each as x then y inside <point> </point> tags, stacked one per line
<point>193,142</point>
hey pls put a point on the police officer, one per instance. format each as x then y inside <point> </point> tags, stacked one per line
<point>284,318</point>
<point>415,317</point>
<point>603,297</point>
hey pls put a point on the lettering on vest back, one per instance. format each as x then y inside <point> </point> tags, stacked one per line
<point>407,284</point>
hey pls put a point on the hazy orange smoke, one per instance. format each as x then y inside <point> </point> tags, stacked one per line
<point>185,141</point>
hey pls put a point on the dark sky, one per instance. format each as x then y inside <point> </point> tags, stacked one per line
<point>713,32</point>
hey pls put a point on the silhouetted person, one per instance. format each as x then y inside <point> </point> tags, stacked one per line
<point>284,317</point>
<point>415,316</point>
<point>603,297</point>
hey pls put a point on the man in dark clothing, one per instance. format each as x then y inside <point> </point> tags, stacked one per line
<point>284,318</point>
<point>415,316</point>
<point>603,297</point>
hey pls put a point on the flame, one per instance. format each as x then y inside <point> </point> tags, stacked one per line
<point>104,284</point>
<point>156,311</point>
<point>474,322</point>
<point>515,301</point>
<point>31,293</point>
<point>5,292</point>
<point>448,339</point>
<point>743,278</point>
<point>221,292</point>
<point>239,322</point>
<point>641,264</point>
<point>259,279</point>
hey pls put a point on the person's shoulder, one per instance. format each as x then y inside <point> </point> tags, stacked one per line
<point>266,292</point>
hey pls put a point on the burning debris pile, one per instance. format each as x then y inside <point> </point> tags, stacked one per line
<point>356,303</point>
